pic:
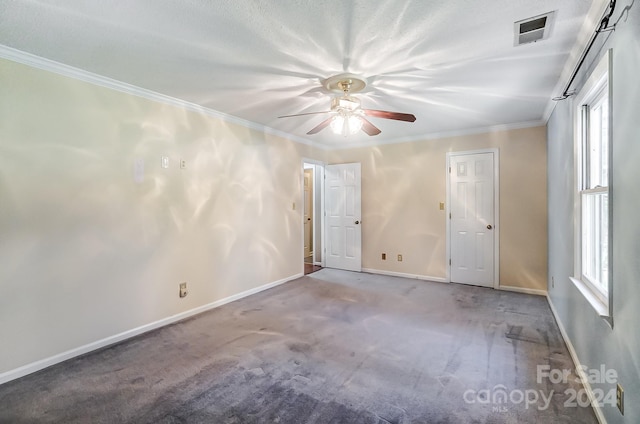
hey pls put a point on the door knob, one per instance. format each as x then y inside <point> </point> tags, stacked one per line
<point>357,222</point>
<point>489,227</point>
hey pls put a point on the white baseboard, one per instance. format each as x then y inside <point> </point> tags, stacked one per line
<point>578,365</point>
<point>525,290</point>
<point>404,275</point>
<point>47,362</point>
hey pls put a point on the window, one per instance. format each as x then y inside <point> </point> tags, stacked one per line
<point>593,235</point>
<point>594,194</point>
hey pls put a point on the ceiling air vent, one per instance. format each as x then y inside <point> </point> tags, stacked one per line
<point>533,29</point>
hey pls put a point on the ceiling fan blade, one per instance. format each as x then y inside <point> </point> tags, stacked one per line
<point>369,128</point>
<point>322,125</point>
<point>303,114</point>
<point>390,115</point>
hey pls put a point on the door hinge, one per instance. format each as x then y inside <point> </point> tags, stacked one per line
<point>449,215</point>
<point>449,170</point>
<point>449,261</point>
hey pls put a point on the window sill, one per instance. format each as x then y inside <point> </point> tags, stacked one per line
<point>600,307</point>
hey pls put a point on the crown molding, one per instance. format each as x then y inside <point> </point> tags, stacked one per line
<point>34,61</point>
<point>447,134</point>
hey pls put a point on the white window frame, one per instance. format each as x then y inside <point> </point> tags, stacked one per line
<point>596,87</point>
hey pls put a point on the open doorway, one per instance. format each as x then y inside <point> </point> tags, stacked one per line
<point>312,200</point>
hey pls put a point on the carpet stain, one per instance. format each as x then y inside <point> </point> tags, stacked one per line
<point>137,380</point>
<point>277,403</point>
<point>515,333</point>
<point>303,348</point>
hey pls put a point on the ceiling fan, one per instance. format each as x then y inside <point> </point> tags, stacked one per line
<point>347,114</point>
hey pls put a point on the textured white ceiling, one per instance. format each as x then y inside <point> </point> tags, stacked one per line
<point>451,63</point>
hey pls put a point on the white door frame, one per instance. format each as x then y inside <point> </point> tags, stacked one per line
<point>318,195</point>
<point>496,210</point>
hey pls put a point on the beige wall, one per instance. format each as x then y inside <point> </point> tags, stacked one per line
<point>402,185</point>
<point>86,252</point>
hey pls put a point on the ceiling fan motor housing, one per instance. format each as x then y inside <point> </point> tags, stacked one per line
<point>345,82</point>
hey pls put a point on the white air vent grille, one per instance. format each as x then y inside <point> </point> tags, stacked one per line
<point>533,29</point>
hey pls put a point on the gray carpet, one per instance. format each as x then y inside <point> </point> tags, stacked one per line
<point>332,347</point>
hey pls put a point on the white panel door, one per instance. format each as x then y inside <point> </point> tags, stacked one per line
<point>344,235</point>
<point>472,219</point>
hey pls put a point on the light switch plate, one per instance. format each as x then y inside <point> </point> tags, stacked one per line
<point>138,170</point>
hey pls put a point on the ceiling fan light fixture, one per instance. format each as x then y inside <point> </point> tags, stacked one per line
<point>348,111</point>
<point>346,124</point>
